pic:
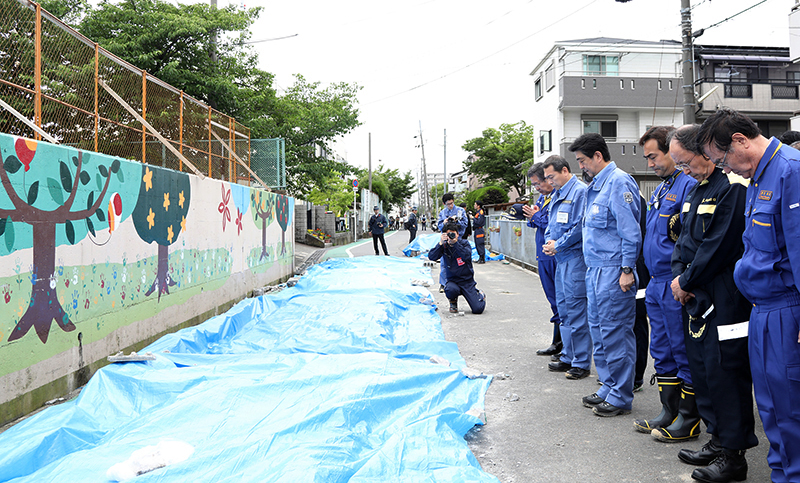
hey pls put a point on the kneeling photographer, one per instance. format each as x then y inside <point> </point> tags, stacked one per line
<point>460,275</point>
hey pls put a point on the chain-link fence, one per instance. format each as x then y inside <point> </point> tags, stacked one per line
<point>53,76</point>
<point>268,160</point>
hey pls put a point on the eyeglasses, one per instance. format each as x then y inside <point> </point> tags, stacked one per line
<point>721,163</point>
<point>684,165</point>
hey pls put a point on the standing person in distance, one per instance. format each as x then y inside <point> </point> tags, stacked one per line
<point>450,213</point>
<point>460,276</point>
<point>411,224</point>
<point>424,221</point>
<point>538,217</point>
<point>377,226</point>
<point>478,224</point>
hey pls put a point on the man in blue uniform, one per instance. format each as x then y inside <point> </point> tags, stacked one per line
<point>538,217</point>
<point>377,225</point>
<point>478,224</point>
<point>707,249</point>
<point>411,224</point>
<point>679,419</point>
<point>454,213</point>
<point>611,243</point>
<point>563,235</point>
<point>767,275</point>
<point>460,275</point>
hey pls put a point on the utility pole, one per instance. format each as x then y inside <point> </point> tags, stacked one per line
<point>446,184</point>
<point>687,60</point>
<point>369,148</point>
<point>424,170</point>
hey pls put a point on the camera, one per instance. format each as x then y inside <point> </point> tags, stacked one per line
<point>451,235</point>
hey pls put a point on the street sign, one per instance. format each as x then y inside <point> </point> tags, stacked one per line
<point>355,183</point>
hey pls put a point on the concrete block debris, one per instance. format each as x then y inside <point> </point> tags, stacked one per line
<point>478,413</point>
<point>502,376</point>
<point>440,360</point>
<point>150,458</point>
<point>132,357</point>
<point>420,282</point>
<point>473,373</point>
<point>511,397</point>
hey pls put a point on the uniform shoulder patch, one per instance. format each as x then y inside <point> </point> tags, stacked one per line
<point>628,197</point>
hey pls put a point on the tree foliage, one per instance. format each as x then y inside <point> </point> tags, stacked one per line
<point>336,193</point>
<point>490,195</point>
<point>201,50</point>
<point>393,188</point>
<point>501,154</point>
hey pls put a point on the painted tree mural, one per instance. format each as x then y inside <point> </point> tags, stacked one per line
<point>283,212</point>
<point>43,209</point>
<point>160,216</point>
<point>262,205</point>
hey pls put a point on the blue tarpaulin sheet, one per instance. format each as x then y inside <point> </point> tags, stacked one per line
<point>328,381</point>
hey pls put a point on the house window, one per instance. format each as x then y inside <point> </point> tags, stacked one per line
<point>600,65</point>
<point>537,88</point>
<point>607,129</point>
<point>545,141</point>
<point>793,77</point>
<point>550,77</point>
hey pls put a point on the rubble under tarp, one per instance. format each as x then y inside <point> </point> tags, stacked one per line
<point>327,381</point>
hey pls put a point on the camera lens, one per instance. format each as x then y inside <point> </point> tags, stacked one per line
<point>451,235</point>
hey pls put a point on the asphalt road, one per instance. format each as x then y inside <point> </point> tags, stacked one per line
<point>537,429</point>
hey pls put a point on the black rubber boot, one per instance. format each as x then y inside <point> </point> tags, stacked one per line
<point>669,390</point>
<point>687,425</point>
<point>729,465</point>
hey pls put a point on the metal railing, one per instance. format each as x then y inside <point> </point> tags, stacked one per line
<point>53,75</point>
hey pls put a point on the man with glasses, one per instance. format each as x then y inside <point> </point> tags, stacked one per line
<point>564,238</point>
<point>768,275</point>
<point>538,217</point>
<point>612,240</point>
<point>457,215</point>
<point>678,419</point>
<point>707,249</point>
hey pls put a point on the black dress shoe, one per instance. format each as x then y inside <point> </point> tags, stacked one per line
<point>606,410</point>
<point>704,457</point>
<point>556,357</point>
<point>729,465</point>
<point>577,373</point>
<point>592,400</point>
<point>553,349</point>
<point>559,366</point>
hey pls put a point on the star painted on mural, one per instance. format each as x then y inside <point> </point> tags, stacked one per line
<point>183,224</point>
<point>170,235</point>
<point>166,201</point>
<point>151,219</point>
<point>181,199</point>
<point>148,179</point>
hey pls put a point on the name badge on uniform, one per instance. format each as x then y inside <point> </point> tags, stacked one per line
<point>595,210</point>
<point>733,331</point>
<point>562,217</point>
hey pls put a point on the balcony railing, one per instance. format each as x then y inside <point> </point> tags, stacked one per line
<point>780,88</point>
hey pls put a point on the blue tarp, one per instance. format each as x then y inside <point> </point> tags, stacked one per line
<point>328,381</point>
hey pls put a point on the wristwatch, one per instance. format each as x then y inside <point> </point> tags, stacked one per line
<point>627,270</point>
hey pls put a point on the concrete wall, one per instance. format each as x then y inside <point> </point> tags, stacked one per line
<point>99,254</point>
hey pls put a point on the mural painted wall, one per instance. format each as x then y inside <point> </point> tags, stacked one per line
<point>91,246</point>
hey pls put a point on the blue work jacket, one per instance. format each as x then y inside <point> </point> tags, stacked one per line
<point>663,210</point>
<point>611,232</point>
<point>376,220</point>
<point>459,260</point>
<point>456,211</point>
<point>540,220</point>
<point>566,215</point>
<point>770,267</point>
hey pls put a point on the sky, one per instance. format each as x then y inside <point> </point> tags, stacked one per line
<point>463,65</point>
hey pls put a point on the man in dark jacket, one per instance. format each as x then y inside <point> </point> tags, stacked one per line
<point>411,224</point>
<point>377,226</point>
<point>460,275</point>
<point>703,262</point>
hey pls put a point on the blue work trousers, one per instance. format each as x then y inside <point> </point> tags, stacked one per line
<point>611,315</point>
<point>571,300</point>
<point>475,300</point>
<point>667,345</point>
<point>775,365</point>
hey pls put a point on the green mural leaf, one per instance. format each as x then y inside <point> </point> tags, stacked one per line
<point>120,176</point>
<point>90,226</point>
<point>55,191</point>
<point>3,225</point>
<point>99,181</point>
<point>75,161</point>
<point>103,171</point>
<point>12,164</point>
<point>70,232</point>
<point>90,200</point>
<point>33,193</point>
<point>66,176</point>
<point>115,166</point>
<point>85,178</point>
<point>9,236</point>
<point>100,215</point>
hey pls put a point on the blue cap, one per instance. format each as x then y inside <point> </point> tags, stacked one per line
<point>375,207</point>
<point>515,212</point>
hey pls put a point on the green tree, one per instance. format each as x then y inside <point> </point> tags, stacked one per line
<point>500,154</point>
<point>336,193</point>
<point>392,187</point>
